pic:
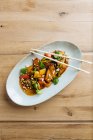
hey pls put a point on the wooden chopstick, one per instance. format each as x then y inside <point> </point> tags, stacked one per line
<point>81,60</point>
<point>61,62</point>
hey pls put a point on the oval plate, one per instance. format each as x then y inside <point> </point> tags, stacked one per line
<point>19,97</point>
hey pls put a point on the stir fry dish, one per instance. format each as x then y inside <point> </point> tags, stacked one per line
<point>42,73</point>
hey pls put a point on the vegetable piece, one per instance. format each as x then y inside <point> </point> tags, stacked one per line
<point>34,70</point>
<point>46,62</point>
<point>25,76</point>
<point>33,82</point>
<point>55,81</point>
<point>35,86</point>
<point>41,64</point>
<point>38,91</point>
<point>37,74</point>
<point>57,57</point>
<point>54,56</point>
<point>48,55</point>
<point>44,59</point>
<point>42,71</point>
<point>23,71</point>
<point>56,52</point>
<point>29,69</point>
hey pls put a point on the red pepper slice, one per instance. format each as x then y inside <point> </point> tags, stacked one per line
<point>25,76</point>
<point>48,55</point>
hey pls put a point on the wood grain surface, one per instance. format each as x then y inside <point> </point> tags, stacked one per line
<point>26,24</point>
<point>46,131</point>
<point>73,103</point>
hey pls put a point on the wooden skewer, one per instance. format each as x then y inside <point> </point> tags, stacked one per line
<point>61,62</point>
<point>81,60</point>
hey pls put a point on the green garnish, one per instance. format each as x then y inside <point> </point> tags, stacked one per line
<point>57,57</point>
<point>55,81</point>
<point>23,71</point>
<point>41,64</point>
<point>35,86</point>
<point>38,91</point>
<point>56,52</point>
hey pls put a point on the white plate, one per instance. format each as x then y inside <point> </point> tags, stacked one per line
<point>19,97</point>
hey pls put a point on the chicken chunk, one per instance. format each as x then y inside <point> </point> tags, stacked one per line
<point>50,74</point>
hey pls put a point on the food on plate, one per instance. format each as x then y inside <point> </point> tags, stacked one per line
<point>42,73</point>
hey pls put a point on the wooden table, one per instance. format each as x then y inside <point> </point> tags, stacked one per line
<point>26,24</point>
